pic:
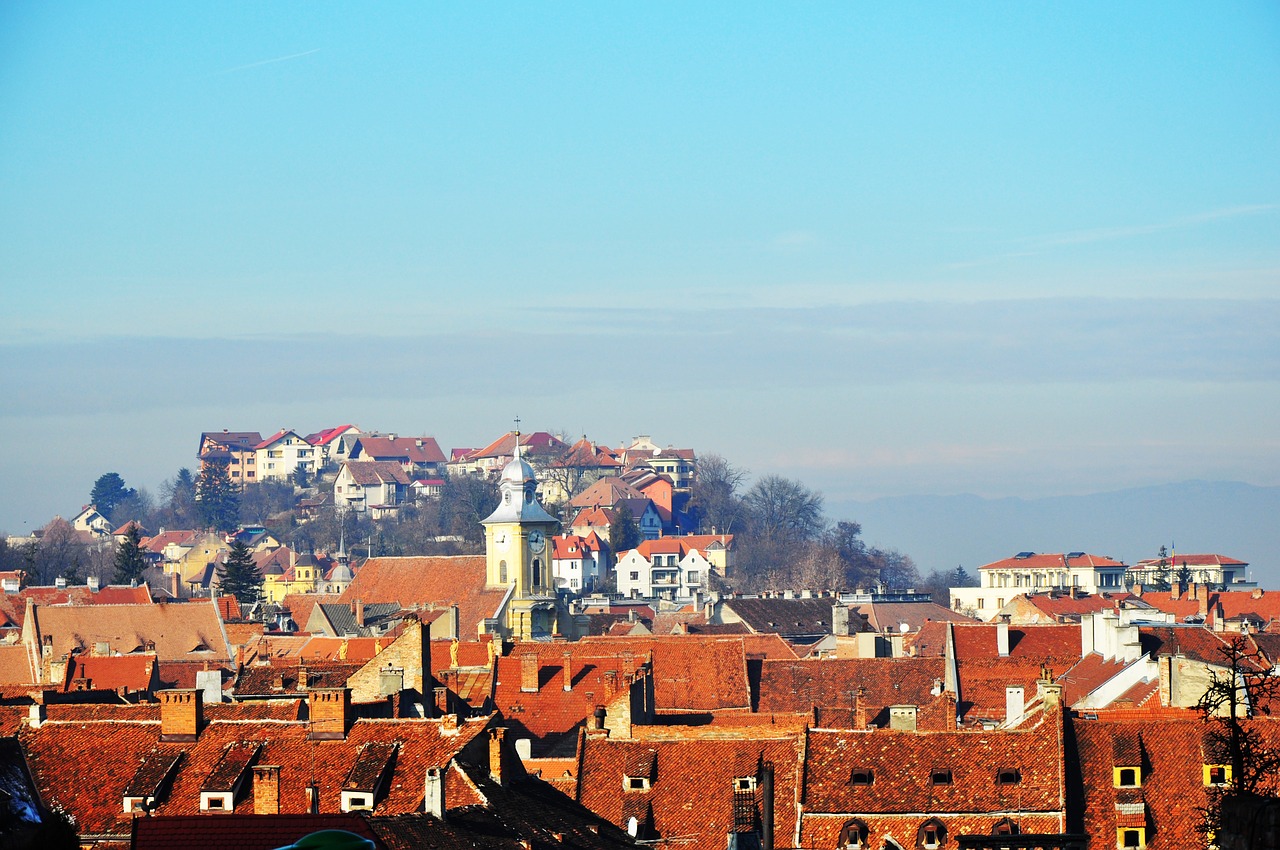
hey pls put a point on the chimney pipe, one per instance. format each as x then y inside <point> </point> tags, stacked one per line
<point>496,738</point>
<point>360,613</point>
<point>266,790</point>
<point>433,793</point>
<point>529,673</point>
<point>766,814</point>
<point>1013,705</point>
<point>568,671</point>
<point>1002,639</point>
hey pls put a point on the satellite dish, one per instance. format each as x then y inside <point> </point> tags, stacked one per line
<point>904,628</point>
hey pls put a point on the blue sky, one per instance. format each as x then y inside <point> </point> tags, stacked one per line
<point>1007,249</point>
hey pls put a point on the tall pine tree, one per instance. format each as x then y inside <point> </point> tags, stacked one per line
<point>130,562</point>
<point>217,501</point>
<point>239,576</point>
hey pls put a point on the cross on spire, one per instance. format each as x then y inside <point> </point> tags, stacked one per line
<point>516,450</point>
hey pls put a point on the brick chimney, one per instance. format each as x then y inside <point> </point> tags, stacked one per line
<point>568,671</point>
<point>949,708</point>
<point>358,611</point>
<point>859,709</point>
<point>266,790</point>
<point>330,712</point>
<point>497,738</point>
<point>1203,607</point>
<point>181,715</point>
<point>529,673</point>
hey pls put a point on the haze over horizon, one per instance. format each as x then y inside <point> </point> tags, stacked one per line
<point>885,249</point>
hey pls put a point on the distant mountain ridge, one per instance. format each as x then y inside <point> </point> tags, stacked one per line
<point>1223,517</point>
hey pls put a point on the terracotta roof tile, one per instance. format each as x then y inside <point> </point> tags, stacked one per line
<point>184,632</point>
<point>691,673</point>
<point>429,582</point>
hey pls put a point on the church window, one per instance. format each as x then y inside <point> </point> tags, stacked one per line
<point>537,572</point>
<point>506,498</point>
<point>502,572</point>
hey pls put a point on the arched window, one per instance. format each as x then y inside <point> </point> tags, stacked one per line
<point>537,572</point>
<point>502,572</point>
<point>853,836</point>
<point>931,835</point>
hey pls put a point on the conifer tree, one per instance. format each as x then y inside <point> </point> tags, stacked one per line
<point>130,562</point>
<point>218,503</point>
<point>239,576</point>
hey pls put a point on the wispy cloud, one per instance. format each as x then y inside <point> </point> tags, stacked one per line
<point>1104,234</point>
<point>262,62</point>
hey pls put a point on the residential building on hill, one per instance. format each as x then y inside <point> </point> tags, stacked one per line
<point>1210,569</point>
<point>282,454</point>
<point>237,449</point>
<point>1028,572</point>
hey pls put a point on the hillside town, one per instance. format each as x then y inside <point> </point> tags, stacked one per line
<point>558,643</point>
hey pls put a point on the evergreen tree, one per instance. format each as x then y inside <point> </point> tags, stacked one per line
<point>624,533</point>
<point>108,492</point>
<point>130,562</point>
<point>239,576</point>
<point>217,501</point>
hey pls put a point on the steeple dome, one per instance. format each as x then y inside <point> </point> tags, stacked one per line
<point>517,488</point>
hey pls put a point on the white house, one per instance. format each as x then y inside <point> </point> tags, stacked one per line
<point>578,563</point>
<point>282,453</point>
<point>666,568</point>
<point>1028,572</point>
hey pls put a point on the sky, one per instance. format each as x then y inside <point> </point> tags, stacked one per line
<point>886,248</point>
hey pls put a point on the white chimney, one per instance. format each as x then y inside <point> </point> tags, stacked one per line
<point>433,793</point>
<point>1013,705</point>
<point>1002,639</point>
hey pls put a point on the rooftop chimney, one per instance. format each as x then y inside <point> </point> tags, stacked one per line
<point>1013,705</point>
<point>433,793</point>
<point>529,673</point>
<point>568,671</point>
<point>496,738</point>
<point>1002,639</point>
<point>903,717</point>
<point>181,715</point>
<point>359,612</point>
<point>330,711</point>
<point>266,790</point>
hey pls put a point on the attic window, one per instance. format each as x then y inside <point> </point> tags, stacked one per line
<point>940,776</point>
<point>861,776</point>
<point>1008,776</point>
<point>853,836</point>
<point>931,835</point>
<point>635,783</point>
<point>1132,838</point>
<point>1006,827</point>
<point>1127,777</point>
<point>1217,774</point>
<point>744,783</point>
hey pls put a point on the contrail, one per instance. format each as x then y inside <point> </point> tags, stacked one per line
<point>269,61</point>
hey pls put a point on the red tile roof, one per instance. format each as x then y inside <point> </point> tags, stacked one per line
<point>416,450</point>
<point>801,686</point>
<point>1056,561</point>
<point>429,582</point>
<point>112,672</point>
<point>691,794</point>
<point>58,751</point>
<point>190,631</point>
<point>691,672</point>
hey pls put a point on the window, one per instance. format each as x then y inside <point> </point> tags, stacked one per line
<point>635,576</point>
<point>861,776</point>
<point>502,572</point>
<point>1127,777</point>
<point>744,783</point>
<point>932,834</point>
<point>982,603</point>
<point>853,836</point>
<point>940,776</point>
<point>1006,827</point>
<point>691,577</point>
<point>1131,838</point>
<point>1008,776</point>
<point>635,783</point>
<point>1217,774</point>
<point>573,582</point>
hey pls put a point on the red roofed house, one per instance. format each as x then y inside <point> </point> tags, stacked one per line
<point>1204,569</point>
<point>1028,572</point>
<point>284,452</point>
<point>238,449</point>
<point>578,563</point>
<point>418,456</point>
<point>375,486</point>
<point>330,445</point>
<point>666,568</point>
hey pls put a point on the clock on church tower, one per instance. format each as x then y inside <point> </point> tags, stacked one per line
<point>516,549</point>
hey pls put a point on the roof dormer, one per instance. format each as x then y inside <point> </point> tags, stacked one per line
<point>223,787</point>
